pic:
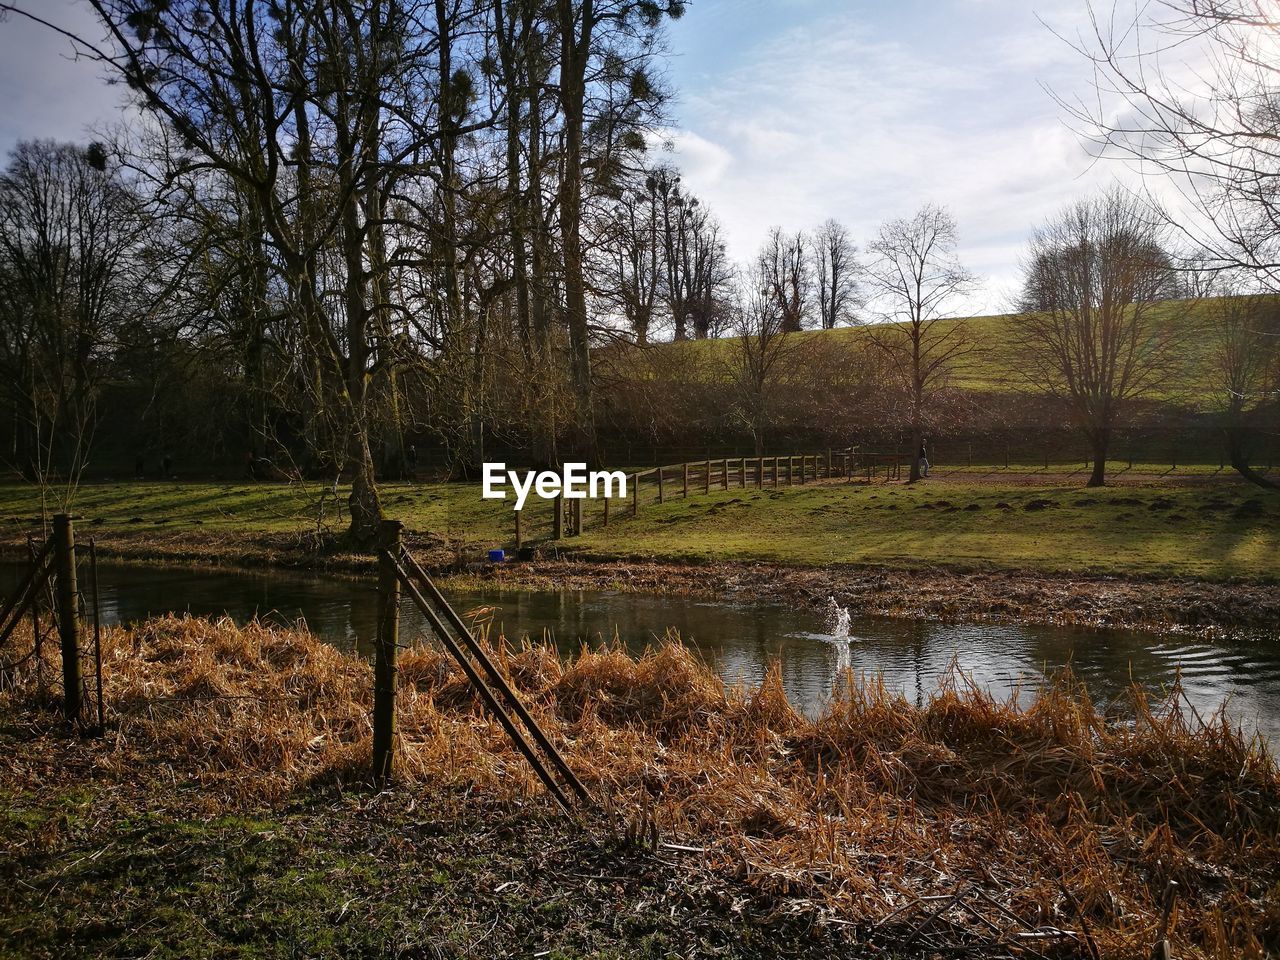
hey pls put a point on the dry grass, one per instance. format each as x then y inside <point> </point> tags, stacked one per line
<point>1044,815</point>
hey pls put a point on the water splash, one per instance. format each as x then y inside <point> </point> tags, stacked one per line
<point>838,623</point>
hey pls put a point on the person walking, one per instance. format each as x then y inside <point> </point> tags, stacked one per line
<point>411,458</point>
<point>924,459</point>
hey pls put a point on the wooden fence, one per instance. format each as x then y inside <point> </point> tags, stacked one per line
<point>656,485</point>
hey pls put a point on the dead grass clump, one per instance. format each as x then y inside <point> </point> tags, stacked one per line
<point>666,689</point>
<point>960,821</point>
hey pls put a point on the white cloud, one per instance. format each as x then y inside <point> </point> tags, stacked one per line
<point>863,122</point>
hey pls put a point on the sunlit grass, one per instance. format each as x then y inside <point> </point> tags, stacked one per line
<point>984,517</point>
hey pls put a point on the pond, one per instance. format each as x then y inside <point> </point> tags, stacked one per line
<point>739,640</point>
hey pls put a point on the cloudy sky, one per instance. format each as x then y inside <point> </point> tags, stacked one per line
<point>788,112</point>
<point>792,111</point>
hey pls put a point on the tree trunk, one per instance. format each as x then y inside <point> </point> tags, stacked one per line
<point>363,503</point>
<point>1100,443</point>
<point>1239,460</point>
<point>573,62</point>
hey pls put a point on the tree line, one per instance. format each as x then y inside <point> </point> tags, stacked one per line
<point>344,227</point>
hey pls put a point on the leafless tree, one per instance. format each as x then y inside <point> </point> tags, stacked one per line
<point>836,267</point>
<point>915,279</point>
<point>1245,332</point>
<point>629,264</point>
<point>1096,333</point>
<point>784,266</point>
<point>696,271</point>
<point>761,346</point>
<point>1190,90</point>
<point>71,272</point>
<point>604,45</point>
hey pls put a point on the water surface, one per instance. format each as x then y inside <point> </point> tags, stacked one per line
<point>740,640</point>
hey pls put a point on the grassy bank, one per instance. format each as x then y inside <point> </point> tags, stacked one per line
<point>223,815</point>
<point>1190,526</point>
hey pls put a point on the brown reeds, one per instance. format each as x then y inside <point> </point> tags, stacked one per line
<point>1043,826</point>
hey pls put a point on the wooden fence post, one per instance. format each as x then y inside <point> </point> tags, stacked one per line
<point>64,547</point>
<point>724,474</point>
<point>557,517</point>
<point>759,473</point>
<point>606,508</point>
<point>742,473</point>
<point>661,495</point>
<point>775,471</point>
<point>706,477</point>
<point>577,517</point>
<point>803,460</point>
<point>635,495</point>
<point>384,652</point>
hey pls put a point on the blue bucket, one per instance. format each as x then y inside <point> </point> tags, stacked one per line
<point>497,556</point>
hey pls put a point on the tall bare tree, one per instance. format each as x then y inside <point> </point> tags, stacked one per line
<point>761,347</point>
<point>916,279</point>
<point>1095,333</point>
<point>784,266</point>
<point>1190,90</point>
<point>836,267</point>
<point>1245,332</point>
<point>314,110</point>
<point>71,268</point>
<point>602,42</point>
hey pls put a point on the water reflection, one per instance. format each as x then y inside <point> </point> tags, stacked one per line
<point>740,640</point>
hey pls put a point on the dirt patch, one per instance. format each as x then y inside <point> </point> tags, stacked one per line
<point>1032,506</point>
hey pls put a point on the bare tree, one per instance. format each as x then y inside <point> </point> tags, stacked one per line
<point>915,278</point>
<point>1246,372</point>
<point>602,42</point>
<point>761,346</point>
<point>1096,334</point>
<point>71,268</point>
<point>783,266</point>
<point>629,264</point>
<point>836,267</point>
<point>1199,104</point>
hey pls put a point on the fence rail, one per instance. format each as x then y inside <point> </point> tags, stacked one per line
<point>569,517</point>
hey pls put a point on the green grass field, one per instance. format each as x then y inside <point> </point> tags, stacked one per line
<point>992,366</point>
<point>1197,527</point>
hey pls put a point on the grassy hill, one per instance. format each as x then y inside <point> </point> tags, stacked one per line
<point>994,365</point>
